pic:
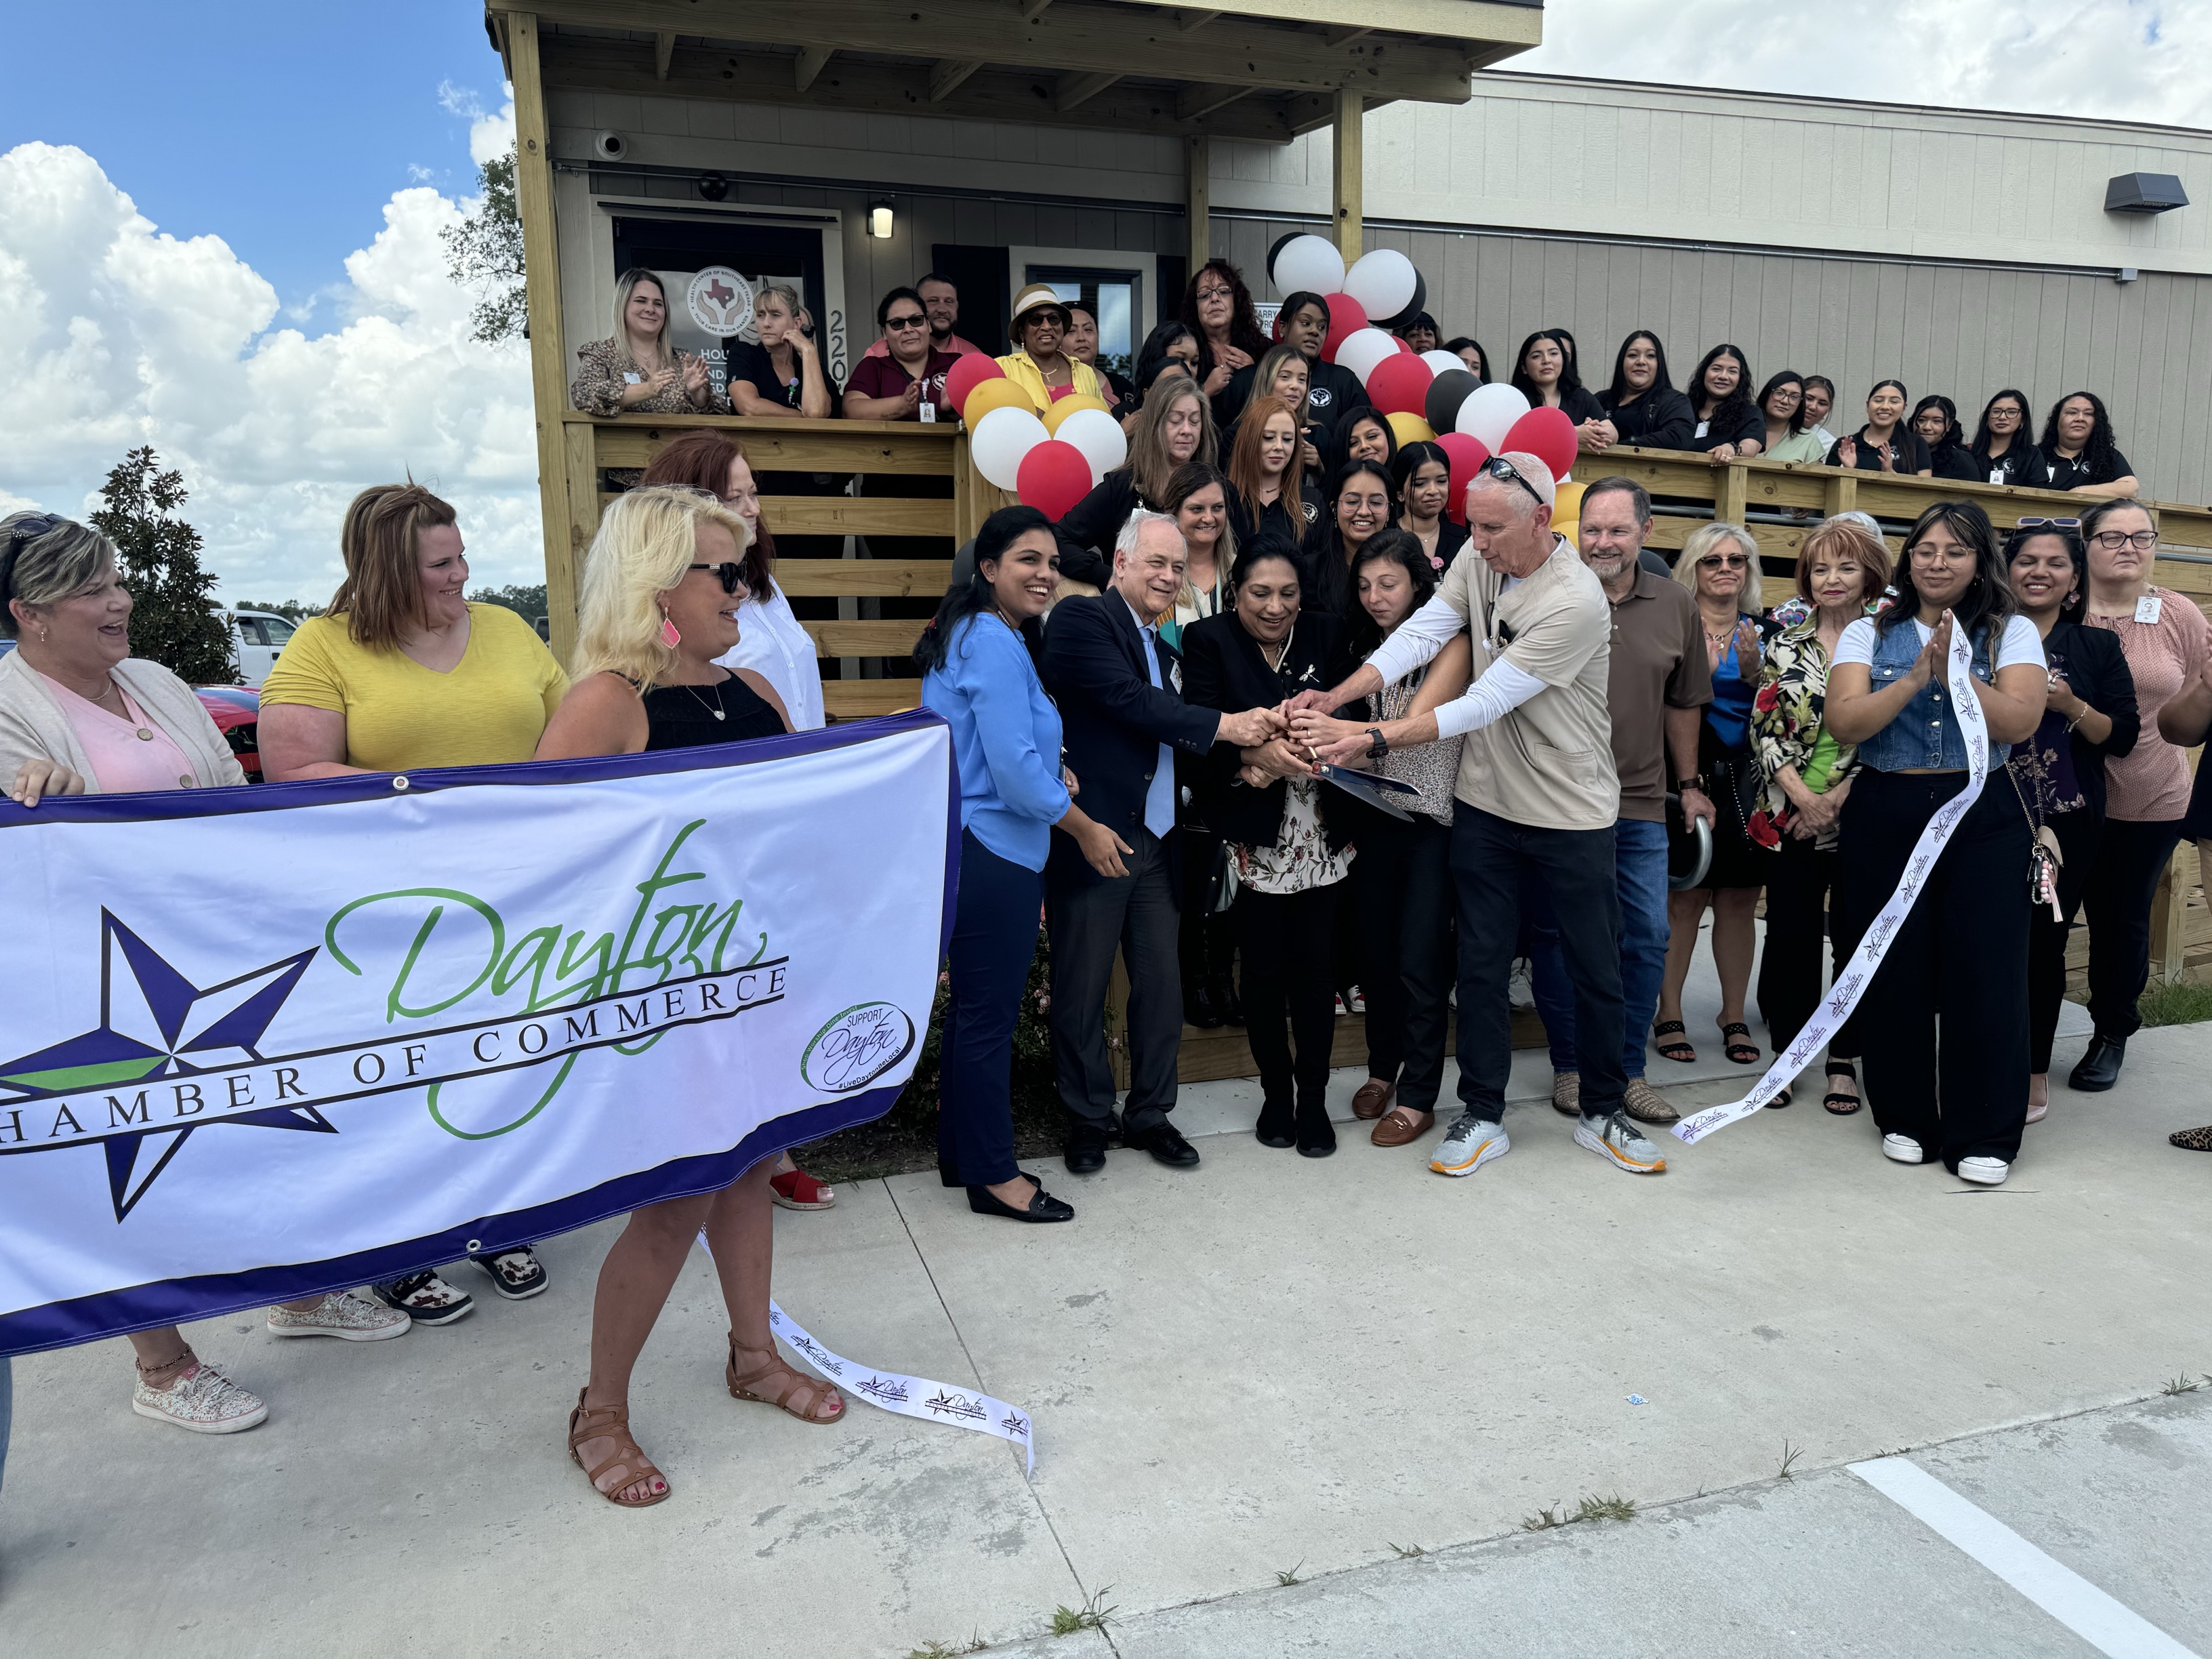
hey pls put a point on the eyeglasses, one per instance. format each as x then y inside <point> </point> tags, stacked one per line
<point>2050,524</point>
<point>1499,467</point>
<point>2113,540</point>
<point>1725,561</point>
<point>1216,293</point>
<point>732,576</point>
<point>906,322</point>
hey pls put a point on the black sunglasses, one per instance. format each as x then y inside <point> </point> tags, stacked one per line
<point>905,322</point>
<point>1499,467</point>
<point>732,576</point>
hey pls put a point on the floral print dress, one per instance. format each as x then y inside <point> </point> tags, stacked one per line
<point>1785,731</point>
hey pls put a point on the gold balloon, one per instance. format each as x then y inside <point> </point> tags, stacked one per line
<point>1411,428</point>
<point>997,393</point>
<point>1060,408</point>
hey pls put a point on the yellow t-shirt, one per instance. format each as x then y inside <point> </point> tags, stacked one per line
<point>400,716</point>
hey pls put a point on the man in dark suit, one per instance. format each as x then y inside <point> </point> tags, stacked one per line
<point>1120,690</point>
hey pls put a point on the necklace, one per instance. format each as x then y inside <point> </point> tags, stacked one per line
<point>714,708</point>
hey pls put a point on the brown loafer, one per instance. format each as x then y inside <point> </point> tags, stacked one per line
<point>1402,1126</point>
<point>1373,1099</point>
<point>1567,1093</point>
<point>1646,1104</point>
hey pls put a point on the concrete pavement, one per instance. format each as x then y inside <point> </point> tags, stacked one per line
<point>1265,1363</point>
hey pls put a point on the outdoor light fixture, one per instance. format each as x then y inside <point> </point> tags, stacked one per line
<point>712,187</point>
<point>2144,192</point>
<point>879,220</point>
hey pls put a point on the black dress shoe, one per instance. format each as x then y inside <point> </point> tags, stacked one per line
<point>2101,1067</point>
<point>1278,1126</point>
<point>1200,1009</point>
<point>1164,1144</point>
<point>1316,1135</point>
<point>947,1176</point>
<point>1232,1004</point>
<point>1043,1207</point>
<point>1084,1149</point>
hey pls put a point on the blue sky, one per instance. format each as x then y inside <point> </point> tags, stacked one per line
<point>281,127</point>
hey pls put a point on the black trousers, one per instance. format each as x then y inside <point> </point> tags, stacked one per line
<point>2116,902</point>
<point>1206,943</point>
<point>994,929</point>
<point>1401,895</point>
<point>1489,857</point>
<point>2079,836</point>
<point>1089,920</point>
<point>1803,916</point>
<point>1287,941</point>
<point>1961,954</point>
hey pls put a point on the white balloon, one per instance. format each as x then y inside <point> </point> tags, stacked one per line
<point>1098,435</point>
<point>1310,263</point>
<point>1383,281</point>
<point>1487,415</point>
<point>1000,441</point>
<point>1442,360</point>
<point>1363,348</point>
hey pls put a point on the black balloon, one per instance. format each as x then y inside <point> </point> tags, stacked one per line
<point>1281,243</point>
<point>1419,304</point>
<point>1446,393</point>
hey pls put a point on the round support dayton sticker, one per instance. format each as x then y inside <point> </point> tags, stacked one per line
<point>857,1047</point>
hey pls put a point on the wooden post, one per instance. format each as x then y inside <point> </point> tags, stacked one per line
<point>2167,906</point>
<point>541,259</point>
<point>1197,160</point>
<point>1731,500</point>
<point>1842,495</point>
<point>1347,164</point>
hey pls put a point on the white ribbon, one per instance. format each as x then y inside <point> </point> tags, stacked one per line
<point>910,1396</point>
<point>1850,984</point>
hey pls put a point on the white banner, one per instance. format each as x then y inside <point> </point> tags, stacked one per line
<point>1850,984</point>
<point>490,1004</point>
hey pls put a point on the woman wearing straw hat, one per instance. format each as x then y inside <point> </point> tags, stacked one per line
<point>1037,365</point>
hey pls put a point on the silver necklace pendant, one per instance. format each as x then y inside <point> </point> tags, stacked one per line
<point>716,712</point>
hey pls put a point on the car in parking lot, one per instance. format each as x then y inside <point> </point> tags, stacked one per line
<point>236,711</point>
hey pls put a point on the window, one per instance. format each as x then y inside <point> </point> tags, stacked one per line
<point>277,630</point>
<point>1114,297</point>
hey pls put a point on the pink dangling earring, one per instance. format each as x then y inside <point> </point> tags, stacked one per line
<point>669,636</point>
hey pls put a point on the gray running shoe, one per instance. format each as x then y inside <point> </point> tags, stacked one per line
<point>1469,1145</point>
<point>1620,1143</point>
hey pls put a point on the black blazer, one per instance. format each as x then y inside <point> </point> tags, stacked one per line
<point>1224,670</point>
<point>1658,420</point>
<point>1113,720</point>
<point>2090,658</point>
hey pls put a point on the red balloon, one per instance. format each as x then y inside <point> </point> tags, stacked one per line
<point>1402,343</point>
<point>1400,385</point>
<point>1346,316</point>
<point>1468,456</point>
<point>1548,434</point>
<point>971,371</point>
<point>1051,478</point>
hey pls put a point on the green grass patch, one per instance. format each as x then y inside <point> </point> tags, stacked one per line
<point>2175,1005</point>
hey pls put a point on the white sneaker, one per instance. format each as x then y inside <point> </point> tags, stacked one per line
<point>1469,1145</point>
<point>1984,1171</point>
<point>1620,1143</point>
<point>1521,985</point>
<point>350,1318</point>
<point>1901,1149</point>
<point>203,1400</point>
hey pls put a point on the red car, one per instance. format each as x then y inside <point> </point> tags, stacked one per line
<point>236,711</point>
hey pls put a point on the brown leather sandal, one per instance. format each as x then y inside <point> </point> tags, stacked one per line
<point>626,1468</point>
<point>1401,1126</point>
<point>803,1396</point>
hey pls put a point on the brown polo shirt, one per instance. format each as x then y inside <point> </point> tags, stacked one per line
<point>1658,664</point>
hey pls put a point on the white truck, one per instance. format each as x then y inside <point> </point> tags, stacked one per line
<point>256,638</point>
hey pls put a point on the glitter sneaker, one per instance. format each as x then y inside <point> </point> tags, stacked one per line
<point>350,1318</point>
<point>202,1399</point>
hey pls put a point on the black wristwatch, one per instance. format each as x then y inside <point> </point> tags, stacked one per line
<point>1377,744</point>
<point>1696,781</point>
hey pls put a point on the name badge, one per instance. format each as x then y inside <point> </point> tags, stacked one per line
<point>631,377</point>
<point>2147,609</point>
<point>927,411</point>
<point>1997,475</point>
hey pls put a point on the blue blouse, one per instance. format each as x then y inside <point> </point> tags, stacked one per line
<point>1729,712</point>
<point>1006,740</point>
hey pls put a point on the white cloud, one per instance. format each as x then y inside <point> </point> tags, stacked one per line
<point>113,334</point>
<point>2110,60</point>
<point>489,135</point>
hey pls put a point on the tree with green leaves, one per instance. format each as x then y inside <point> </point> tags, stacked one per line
<point>526,602</point>
<point>174,620</point>
<point>484,251</point>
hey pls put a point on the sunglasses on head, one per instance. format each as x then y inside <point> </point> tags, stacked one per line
<point>2050,524</point>
<point>732,576</point>
<point>1499,467</point>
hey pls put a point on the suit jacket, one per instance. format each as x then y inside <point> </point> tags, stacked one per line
<point>1115,720</point>
<point>1226,671</point>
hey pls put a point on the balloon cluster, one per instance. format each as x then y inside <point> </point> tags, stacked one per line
<point>1050,459</point>
<point>1428,396</point>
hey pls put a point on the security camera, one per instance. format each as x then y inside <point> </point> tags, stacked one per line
<point>610,146</point>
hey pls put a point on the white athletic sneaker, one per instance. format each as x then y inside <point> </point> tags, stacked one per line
<point>1520,984</point>
<point>1469,1145</point>
<point>350,1318</point>
<point>1901,1149</point>
<point>1619,1142</point>
<point>1984,1171</point>
<point>203,1400</point>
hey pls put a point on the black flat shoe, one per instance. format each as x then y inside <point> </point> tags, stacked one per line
<point>1164,1144</point>
<point>1278,1126</point>
<point>1084,1150</point>
<point>1317,1134</point>
<point>1200,1009</point>
<point>1043,1207</point>
<point>1232,1004</point>
<point>2101,1067</point>
<point>947,1176</point>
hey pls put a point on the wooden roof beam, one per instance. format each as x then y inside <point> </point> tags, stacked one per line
<point>1190,22</point>
<point>946,73</point>
<point>1200,99</point>
<point>1076,90</point>
<point>812,62</point>
<point>1032,9</point>
<point>663,48</point>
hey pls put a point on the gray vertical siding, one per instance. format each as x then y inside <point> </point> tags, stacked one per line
<point>2145,347</point>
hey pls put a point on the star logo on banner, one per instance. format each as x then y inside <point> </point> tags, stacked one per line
<point>156,1025</point>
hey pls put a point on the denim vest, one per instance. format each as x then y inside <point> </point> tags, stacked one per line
<point>1926,733</point>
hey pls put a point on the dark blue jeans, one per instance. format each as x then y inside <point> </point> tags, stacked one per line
<point>1639,863</point>
<point>1492,860</point>
<point>994,932</point>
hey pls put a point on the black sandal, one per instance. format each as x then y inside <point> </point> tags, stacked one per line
<point>1841,1105</point>
<point>1682,1053</point>
<point>1740,1053</point>
<point>1779,1100</point>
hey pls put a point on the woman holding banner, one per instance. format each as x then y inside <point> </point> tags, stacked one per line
<point>663,583</point>
<point>79,716</point>
<point>402,672</point>
<point>1953,930</point>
